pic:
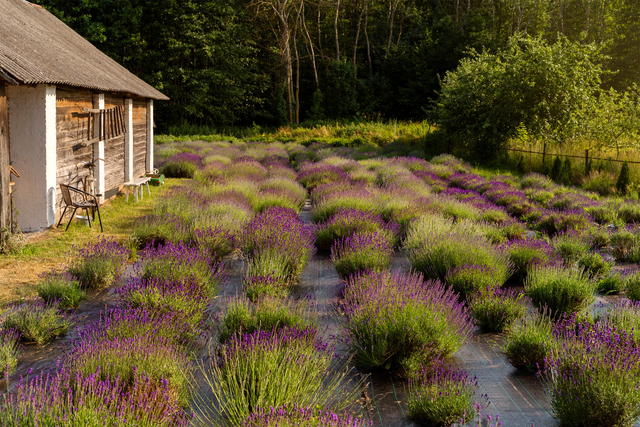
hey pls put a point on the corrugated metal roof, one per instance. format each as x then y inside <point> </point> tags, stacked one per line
<point>36,47</point>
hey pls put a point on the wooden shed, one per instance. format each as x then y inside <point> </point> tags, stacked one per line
<point>64,104</point>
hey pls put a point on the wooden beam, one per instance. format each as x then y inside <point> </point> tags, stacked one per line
<point>5,172</point>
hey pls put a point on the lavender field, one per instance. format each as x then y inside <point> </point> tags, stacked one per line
<point>285,285</point>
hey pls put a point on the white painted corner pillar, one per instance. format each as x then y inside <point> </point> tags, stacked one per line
<point>98,147</point>
<point>150,135</point>
<point>32,127</point>
<point>128,140</point>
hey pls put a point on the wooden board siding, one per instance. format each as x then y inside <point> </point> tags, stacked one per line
<point>139,137</point>
<point>72,128</point>
<point>113,152</point>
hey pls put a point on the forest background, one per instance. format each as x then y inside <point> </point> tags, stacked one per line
<point>482,71</point>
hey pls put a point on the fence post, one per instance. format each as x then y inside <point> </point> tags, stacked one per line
<point>544,153</point>
<point>586,162</point>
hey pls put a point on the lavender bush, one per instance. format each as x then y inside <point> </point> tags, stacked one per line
<point>266,370</point>
<point>62,288</point>
<point>561,289</point>
<point>594,265</point>
<point>441,396</point>
<point>625,316</point>
<point>349,221</point>
<point>242,317</point>
<point>178,262</point>
<point>593,378</point>
<point>300,416</point>
<point>126,358</point>
<point>99,264</point>
<point>355,198</point>
<point>632,285</point>
<point>9,350</point>
<point>625,246</point>
<point>359,252</point>
<point>37,322</point>
<point>611,283</point>
<point>62,399</point>
<point>525,254</point>
<point>496,309</point>
<point>397,320</point>
<point>530,341</point>
<point>570,246</point>
<point>186,299</point>
<point>468,280</point>
<point>436,245</point>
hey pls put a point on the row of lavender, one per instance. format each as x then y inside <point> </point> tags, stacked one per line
<point>469,234</point>
<point>266,366</point>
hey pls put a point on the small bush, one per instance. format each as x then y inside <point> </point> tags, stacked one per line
<point>526,254</point>
<point>611,284</point>
<point>178,262</point>
<point>553,222</point>
<point>98,265</point>
<point>36,322</point>
<point>496,309</point>
<point>470,279</point>
<point>629,212</point>
<point>624,179</point>
<point>594,265</point>
<point>265,370</point>
<point>359,252</point>
<point>397,320</point>
<point>562,290</point>
<point>570,246</point>
<point>126,358</point>
<point>63,399</point>
<point>530,342</point>
<point>187,299</point>
<point>592,380</point>
<point>603,214</point>
<point>297,416</point>
<point>436,245</point>
<point>625,246</point>
<point>62,289</point>
<point>441,397</point>
<point>173,169</point>
<point>268,314</point>
<point>632,286</point>
<point>9,350</point>
<point>625,316</point>
<point>349,221</point>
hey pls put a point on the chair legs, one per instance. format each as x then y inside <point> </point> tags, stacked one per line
<point>71,219</point>
<point>99,219</point>
<point>86,210</point>
<point>62,216</point>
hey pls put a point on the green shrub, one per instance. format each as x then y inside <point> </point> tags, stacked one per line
<point>625,316</point>
<point>594,265</point>
<point>496,309</point>
<point>268,314</point>
<point>441,397</point>
<point>470,279</point>
<point>360,252</point>
<point>611,284</point>
<point>629,212</point>
<point>62,289</point>
<point>264,370</point>
<point>561,289</point>
<point>624,179</point>
<point>98,265</point>
<point>632,286</point>
<point>178,170</point>
<point>36,322</point>
<point>397,320</point>
<point>530,341</point>
<point>9,350</point>
<point>436,245</point>
<point>570,246</point>
<point>625,246</point>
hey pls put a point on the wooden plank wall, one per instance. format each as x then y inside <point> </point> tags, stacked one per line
<point>113,152</point>
<point>139,137</point>
<point>5,198</point>
<point>72,128</point>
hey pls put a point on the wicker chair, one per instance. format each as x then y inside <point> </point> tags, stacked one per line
<point>89,201</point>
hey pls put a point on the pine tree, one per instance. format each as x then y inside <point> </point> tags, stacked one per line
<point>556,169</point>
<point>624,180</point>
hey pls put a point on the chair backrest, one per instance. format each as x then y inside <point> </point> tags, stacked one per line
<point>66,194</point>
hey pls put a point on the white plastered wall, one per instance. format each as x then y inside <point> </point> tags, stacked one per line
<point>150,135</point>
<point>32,132</point>
<point>128,140</point>
<point>98,150</point>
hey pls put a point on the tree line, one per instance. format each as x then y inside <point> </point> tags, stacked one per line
<point>272,62</point>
